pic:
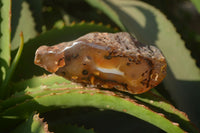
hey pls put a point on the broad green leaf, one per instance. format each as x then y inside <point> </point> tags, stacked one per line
<point>149,98</point>
<point>5,31</point>
<point>85,99</point>
<point>150,26</point>
<point>50,92</point>
<point>38,81</point>
<point>22,21</point>
<point>33,124</point>
<point>196,4</point>
<point>65,98</point>
<point>27,68</point>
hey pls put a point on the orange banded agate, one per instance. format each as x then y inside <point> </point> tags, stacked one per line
<point>105,60</point>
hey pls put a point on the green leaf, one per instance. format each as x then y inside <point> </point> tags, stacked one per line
<point>22,21</point>
<point>38,81</point>
<point>150,26</point>
<point>27,68</point>
<point>156,102</point>
<point>150,98</point>
<point>34,124</point>
<point>108,10</point>
<point>65,98</point>
<point>196,4</point>
<point>36,7</point>
<point>5,30</point>
<point>4,90</point>
<point>46,95</point>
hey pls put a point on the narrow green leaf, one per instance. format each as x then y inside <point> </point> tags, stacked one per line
<point>5,30</point>
<point>3,91</point>
<point>150,26</point>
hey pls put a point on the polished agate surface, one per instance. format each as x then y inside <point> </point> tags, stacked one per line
<point>105,60</point>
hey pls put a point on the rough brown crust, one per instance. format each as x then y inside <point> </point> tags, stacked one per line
<point>106,60</point>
